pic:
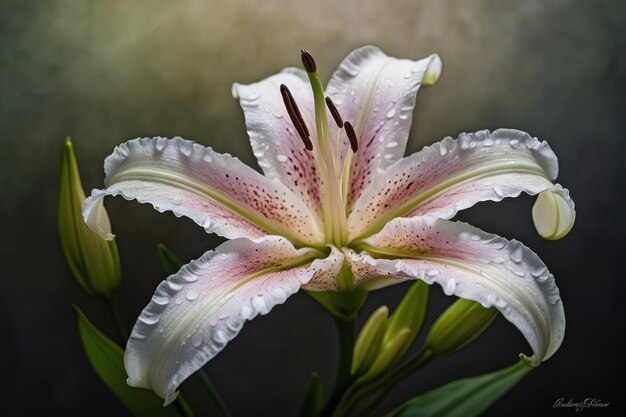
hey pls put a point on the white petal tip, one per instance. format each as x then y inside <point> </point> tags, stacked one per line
<point>532,361</point>
<point>553,214</point>
<point>433,71</point>
<point>234,90</point>
<point>170,398</point>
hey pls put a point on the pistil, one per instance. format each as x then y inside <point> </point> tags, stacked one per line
<point>333,204</point>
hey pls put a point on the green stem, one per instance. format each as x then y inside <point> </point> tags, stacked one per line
<point>117,318</point>
<point>383,386</point>
<point>214,394</point>
<point>182,407</point>
<point>343,379</point>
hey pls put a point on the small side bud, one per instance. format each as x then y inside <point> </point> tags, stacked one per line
<point>354,142</point>
<point>458,326</point>
<point>409,314</point>
<point>93,261</point>
<point>390,354</point>
<point>369,341</point>
<point>308,61</point>
<point>554,214</point>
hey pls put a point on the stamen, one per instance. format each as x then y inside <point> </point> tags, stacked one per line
<point>296,117</point>
<point>334,112</point>
<point>308,61</point>
<point>354,142</point>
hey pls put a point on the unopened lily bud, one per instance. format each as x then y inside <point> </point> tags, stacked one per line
<point>369,341</point>
<point>389,355</point>
<point>94,262</point>
<point>409,314</point>
<point>458,326</point>
<point>553,213</point>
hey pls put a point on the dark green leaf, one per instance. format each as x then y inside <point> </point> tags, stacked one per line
<point>314,397</point>
<point>170,263</point>
<point>107,359</point>
<point>467,397</point>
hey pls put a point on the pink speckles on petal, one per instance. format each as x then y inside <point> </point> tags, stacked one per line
<point>376,93</point>
<point>197,311</point>
<point>472,264</point>
<point>275,142</point>
<point>453,175</point>
<point>216,191</point>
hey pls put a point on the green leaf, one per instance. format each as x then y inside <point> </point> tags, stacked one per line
<point>107,359</point>
<point>314,398</point>
<point>467,397</point>
<point>169,261</point>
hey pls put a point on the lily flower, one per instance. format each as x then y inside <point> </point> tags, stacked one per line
<point>338,207</point>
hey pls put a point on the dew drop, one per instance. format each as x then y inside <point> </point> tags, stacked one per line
<point>207,157</point>
<point>161,300</point>
<point>391,144</point>
<point>538,271</point>
<point>178,200</point>
<point>391,113</point>
<point>174,286</point>
<point>160,144</point>
<point>516,254</point>
<point>281,158</point>
<point>149,320</point>
<point>196,340</point>
<point>432,272</point>
<point>192,295</point>
<point>186,147</point>
<point>404,116</point>
<point>450,287</point>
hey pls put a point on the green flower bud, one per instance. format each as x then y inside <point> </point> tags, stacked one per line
<point>390,354</point>
<point>369,341</point>
<point>94,262</point>
<point>458,326</point>
<point>409,314</point>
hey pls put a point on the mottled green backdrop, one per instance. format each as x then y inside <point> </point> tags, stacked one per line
<point>107,71</point>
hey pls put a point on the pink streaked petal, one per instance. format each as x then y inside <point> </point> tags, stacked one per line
<point>377,93</point>
<point>216,191</point>
<point>471,264</point>
<point>275,142</point>
<point>453,175</point>
<point>197,311</point>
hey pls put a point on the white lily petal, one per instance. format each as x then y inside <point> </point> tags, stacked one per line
<point>453,175</point>
<point>196,312</point>
<point>275,142</point>
<point>216,191</point>
<point>376,93</point>
<point>471,264</point>
<point>553,213</point>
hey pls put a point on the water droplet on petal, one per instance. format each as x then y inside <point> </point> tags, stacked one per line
<point>281,158</point>
<point>196,340</point>
<point>160,144</point>
<point>432,272</point>
<point>450,287</point>
<point>391,113</point>
<point>178,200</point>
<point>149,320</point>
<point>161,300</point>
<point>192,295</point>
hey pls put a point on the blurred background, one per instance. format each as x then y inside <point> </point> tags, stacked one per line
<point>104,72</point>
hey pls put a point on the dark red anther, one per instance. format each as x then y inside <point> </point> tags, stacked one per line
<point>308,61</point>
<point>296,117</point>
<point>334,112</point>
<point>354,142</point>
